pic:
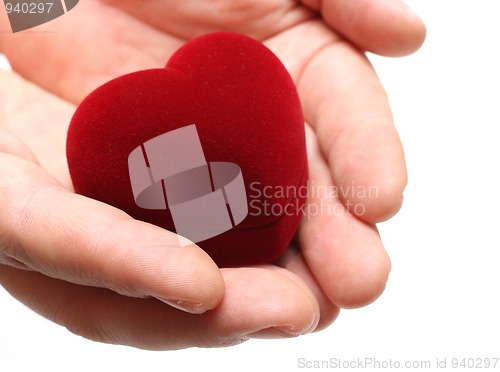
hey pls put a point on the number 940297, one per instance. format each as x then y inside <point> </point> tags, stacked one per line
<point>29,8</point>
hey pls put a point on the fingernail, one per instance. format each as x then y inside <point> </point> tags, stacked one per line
<point>278,332</point>
<point>287,331</point>
<point>190,307</point>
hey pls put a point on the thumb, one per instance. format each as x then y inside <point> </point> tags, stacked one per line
<point>46,228</point>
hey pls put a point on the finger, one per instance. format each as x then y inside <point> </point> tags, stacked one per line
<point>293,261</point>
<point>257,301</point>
<point>386,27</point>
<point>297,315</point>
<point>344,253</point>
<point>72,55</point>
<point>349,110</point>
<point>37,134</point>
<point>73,238</point>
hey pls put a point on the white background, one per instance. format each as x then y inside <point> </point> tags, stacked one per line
<point>443,297</point>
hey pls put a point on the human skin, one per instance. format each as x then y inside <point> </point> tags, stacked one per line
<point>91,268</point>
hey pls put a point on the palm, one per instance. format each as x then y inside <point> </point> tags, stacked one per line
<point>341,261</point>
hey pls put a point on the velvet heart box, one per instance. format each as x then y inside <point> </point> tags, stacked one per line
<point>159,145</point>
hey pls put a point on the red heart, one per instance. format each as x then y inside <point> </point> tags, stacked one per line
<point>246,110</point>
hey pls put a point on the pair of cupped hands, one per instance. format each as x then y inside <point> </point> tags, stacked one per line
<point>90,267</point>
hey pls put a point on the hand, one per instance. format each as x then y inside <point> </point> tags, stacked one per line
<point>90,267</point>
